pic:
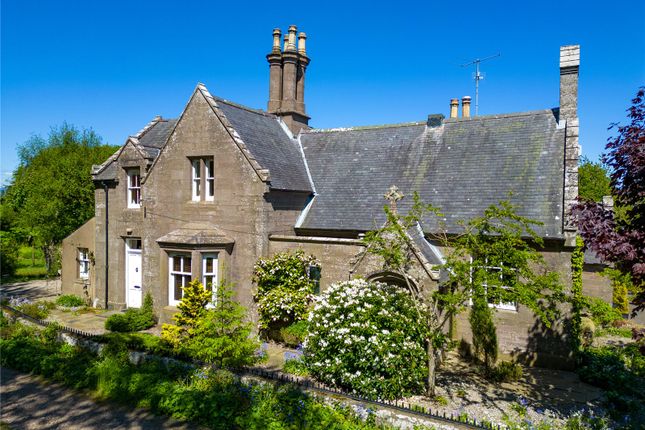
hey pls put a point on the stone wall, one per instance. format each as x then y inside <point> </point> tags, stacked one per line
<point>71,283</point>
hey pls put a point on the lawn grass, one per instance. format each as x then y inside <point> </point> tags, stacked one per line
<point>29,266</point>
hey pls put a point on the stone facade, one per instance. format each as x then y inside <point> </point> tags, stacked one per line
<point>223,185</point>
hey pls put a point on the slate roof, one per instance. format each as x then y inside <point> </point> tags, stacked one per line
<point>151,139</point>
<point>462,167</point>
<point>155,138</point>
<point>267,140</point>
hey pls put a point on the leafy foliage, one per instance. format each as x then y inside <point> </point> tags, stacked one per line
<point>70,301</point>
<point>221,336</point>
<point>492,251</point>
<point>602,313</point>
<point>8,254</point>
<point>284,288</point>
<point>295,334</point>
<point>365,337</point>
<point>505,371</point>
<point>51,191</point>
<point>483,330</point>
<point>191,308</point>
<point>619,239</point>
<point>39,309</point>
<point>133,319</point>
<point>216,399</point>
<point>577,300</point>
<point>593,180</point>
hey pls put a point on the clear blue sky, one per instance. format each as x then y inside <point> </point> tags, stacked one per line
<point>112,66</point>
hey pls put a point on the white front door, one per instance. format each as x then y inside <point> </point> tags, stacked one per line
<point>133,292</point>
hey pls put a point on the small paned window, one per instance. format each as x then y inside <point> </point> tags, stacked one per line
<point>180,270</point>
<point>83,263</point>
<point>202,179</point>
<point>210,179</point>
<point>197,179</point>
<point>495,294</point>
<point>209,273</point>
<point>134,188</point>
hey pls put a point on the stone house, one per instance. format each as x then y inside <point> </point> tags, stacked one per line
<point>207,194</point>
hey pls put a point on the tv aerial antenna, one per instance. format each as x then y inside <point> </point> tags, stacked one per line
<point>478,76</point>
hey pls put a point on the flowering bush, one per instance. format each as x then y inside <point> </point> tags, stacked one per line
<point>366,337</point>
<point>284,288</point>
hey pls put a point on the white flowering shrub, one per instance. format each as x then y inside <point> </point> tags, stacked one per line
<point>284,288</point>
<point>365,337</point>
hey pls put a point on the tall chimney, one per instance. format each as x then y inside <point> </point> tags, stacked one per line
<point>569,68</point>
<point>275,74</point>
<point>465,107</point>
<point>300,77</point>
<point>289,71</point>
<point>454,106</point>
<point>287,78</point>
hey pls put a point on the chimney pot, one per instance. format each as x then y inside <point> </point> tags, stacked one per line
<point>454,106</point>
<point>286,43</point>
<point>276,39</point>
<point>291,46</point>
<point>465,107</point>
<point>302,37</point>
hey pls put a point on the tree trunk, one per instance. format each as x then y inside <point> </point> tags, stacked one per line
<point>432,364</point>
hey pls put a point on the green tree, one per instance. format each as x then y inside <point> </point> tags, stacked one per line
<point>51,192</point>
<point>491,260</point>
<point>221,336</point>
<point>593,180</point>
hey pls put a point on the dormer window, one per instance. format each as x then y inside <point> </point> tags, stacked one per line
<point>202,179</point>
<point>134,188</point>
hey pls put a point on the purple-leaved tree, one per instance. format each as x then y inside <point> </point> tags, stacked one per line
<point>619,237</point>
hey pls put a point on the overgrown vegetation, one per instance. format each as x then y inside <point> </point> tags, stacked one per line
<point>365,337</point>
<point>70,301</point>
<point>491,261</point>
<point>617,236</point>
<point>133,319</point>
<point>39,310</point>
<point>621,371</point>
<point>216,399</point>
<point>284,290</point>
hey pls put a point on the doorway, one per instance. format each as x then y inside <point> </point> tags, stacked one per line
<point>133,291</point>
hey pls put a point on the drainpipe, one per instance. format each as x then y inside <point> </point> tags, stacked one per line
<point>107,248</point>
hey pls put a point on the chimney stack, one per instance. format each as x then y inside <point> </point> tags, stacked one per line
<point>569,68</point>
<point>465,107</point>
<point>454,106</point>
<point>287,68</point>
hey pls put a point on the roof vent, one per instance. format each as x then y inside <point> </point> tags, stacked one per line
<point>435,120</point>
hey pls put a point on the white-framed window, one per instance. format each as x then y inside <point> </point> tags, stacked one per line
<point>202,179</point>
<point>134,188</point>
<point>209,165</point>
<point>494,293</point>
<point>209,273</point>
<point>197,179</point>
<point>180,274</point>
<point>83,263</point>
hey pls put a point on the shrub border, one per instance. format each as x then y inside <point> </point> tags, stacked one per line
<point>303,383</point>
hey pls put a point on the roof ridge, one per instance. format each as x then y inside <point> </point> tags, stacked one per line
<point>499,115</point>
<point>241,106</point>
<point>364,127</point>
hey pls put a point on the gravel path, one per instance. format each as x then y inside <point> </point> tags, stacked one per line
<point>27,403</point>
